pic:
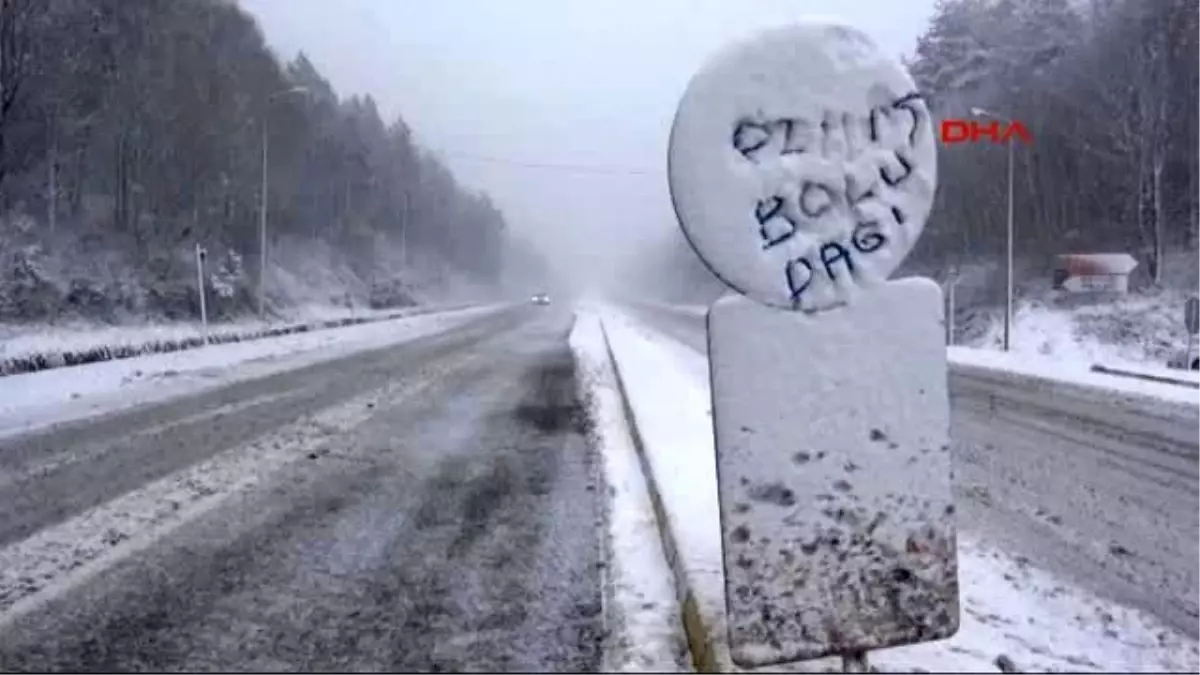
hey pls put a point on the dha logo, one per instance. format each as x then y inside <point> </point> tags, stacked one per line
<point>972,131</point>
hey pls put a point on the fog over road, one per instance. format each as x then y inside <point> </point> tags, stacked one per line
<point>452,527</point>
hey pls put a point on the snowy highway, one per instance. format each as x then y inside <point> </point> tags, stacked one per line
<point>450,492</point>
<point>424,505</point>
<point>1110,503</point>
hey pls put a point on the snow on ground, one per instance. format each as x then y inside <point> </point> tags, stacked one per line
<point>1138,329</point>
<point>1047,332</point>
<point>1015,365</point>
<point>1041,624</point>
<point>1011,609</point>
<point>641,611</point>
<point>21,339</point>
<point>1045,346</point>
<point>33,400</point>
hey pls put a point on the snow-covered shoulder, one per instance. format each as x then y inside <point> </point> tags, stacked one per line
<point>1048,370</point>
<point>17,341</point>
<point>33,400</point>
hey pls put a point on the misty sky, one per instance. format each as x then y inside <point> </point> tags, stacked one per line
<point>592,83</point>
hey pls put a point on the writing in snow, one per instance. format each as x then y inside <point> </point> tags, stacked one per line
<point>833,221</point>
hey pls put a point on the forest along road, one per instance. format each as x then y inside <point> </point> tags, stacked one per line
<point>1124,532</point>
<point>426,507</point>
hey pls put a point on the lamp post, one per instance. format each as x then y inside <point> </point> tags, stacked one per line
<point>262,207</point>
<point>1008,276</point>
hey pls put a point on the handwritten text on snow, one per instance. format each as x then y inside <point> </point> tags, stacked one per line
<point>812,201</point>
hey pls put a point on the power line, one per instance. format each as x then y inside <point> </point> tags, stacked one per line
<point>577,168</point>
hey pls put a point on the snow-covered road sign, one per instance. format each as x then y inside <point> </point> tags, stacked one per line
<point>802,167</point>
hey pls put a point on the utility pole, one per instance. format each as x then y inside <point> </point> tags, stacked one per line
<point>1008,276</point>
<point>262,226</point>
<point>262,207</point>
<point>404,232</point>
<point>1008,269</point>
<point>52,178</point>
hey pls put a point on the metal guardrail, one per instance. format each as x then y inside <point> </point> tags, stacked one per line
<point>1120,372</point>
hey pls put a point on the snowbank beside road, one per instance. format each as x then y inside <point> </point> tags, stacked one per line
<point>34,351</point>
<point>1011,609</point>
<point>18,339</point>
<point>1139,332</point>
<point>32,400</point>
<point>1041,372</point>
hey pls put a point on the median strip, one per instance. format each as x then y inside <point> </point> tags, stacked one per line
<point>643,629</point>
<point>681,480</point>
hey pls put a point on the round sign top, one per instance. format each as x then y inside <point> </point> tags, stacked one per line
<point>802,165</point>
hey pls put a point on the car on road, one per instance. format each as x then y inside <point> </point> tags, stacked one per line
<point>540,299</point>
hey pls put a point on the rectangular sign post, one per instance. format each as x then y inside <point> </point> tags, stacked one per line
<point>1192,322</point>
<point>802,167</point>
<point>834,473</point>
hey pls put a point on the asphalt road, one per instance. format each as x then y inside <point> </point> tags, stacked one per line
<point>451,527</point>
<point>1048,488</point>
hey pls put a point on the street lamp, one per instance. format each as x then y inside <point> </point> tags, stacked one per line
<point>1008,277</point>
<point>262,207</point>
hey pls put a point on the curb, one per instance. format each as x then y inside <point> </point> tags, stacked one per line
<point>598,474</point>
<point>698,633</point>
<point>33,363</point>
